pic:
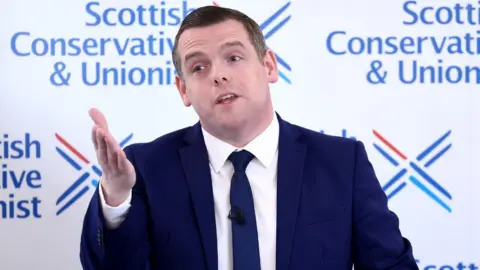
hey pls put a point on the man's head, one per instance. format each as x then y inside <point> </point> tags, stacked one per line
<point>220,52</point>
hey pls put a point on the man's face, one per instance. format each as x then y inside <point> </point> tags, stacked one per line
<point>223,78</point>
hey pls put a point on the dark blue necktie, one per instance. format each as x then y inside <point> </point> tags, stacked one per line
<point>246,255</point>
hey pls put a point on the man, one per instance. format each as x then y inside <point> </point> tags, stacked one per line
<point>242,189</point>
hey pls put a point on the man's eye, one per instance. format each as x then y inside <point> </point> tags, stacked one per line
<point>235,58</point>
<point>197,68</point>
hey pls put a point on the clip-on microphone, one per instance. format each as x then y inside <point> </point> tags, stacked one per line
<point>236,214</point>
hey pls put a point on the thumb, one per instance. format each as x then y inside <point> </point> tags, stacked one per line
<point>98,118</point>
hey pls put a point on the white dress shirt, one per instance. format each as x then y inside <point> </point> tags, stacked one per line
<point>262,175</point>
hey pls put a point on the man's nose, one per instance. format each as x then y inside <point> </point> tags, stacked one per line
<point>220,76</point>
<point>220,79</point>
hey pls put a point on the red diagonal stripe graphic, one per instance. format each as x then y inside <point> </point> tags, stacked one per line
<point>394,149</point>
<point>71,148</point>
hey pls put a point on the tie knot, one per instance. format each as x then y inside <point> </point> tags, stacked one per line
<point>240,159</point>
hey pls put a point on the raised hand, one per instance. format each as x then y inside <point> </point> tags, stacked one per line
<point>118,173</point>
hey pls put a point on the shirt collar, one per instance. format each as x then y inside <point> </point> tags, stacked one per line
<point>263,147</point>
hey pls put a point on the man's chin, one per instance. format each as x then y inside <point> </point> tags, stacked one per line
<point>231,122</point>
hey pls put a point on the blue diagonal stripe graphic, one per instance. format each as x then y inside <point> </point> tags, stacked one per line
<point>396,190</point>
<point>68,159</point>
<point>270,33</point>
<point>386,155</point>
<point>433,146</point>
<point>97,170</point>
<point>283,62</point>
<point>395,178</point>
<point>126,140</point>
<point>430,180</point>
<point>284,77</point>
<point>275,15</point>
<point>95,182</point>
<point>437,156</point>
<point>74,186</point>
<point>429,193</point>
<point>73,200</point>
<point>277,27</point>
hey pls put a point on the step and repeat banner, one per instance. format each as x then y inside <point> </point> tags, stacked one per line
<point>401,76</point>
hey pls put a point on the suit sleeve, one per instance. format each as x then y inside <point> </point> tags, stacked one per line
<point>378,242</point>
<point>113,216</point>
<point>125,247</point>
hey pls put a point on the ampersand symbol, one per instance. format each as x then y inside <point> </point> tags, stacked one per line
<point>58,78</point>
<point>374,76</point>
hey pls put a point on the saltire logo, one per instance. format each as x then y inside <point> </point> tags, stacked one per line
<point>90,173</point>
<point>414,171</point>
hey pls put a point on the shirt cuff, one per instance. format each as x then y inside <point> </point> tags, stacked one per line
<point>114,216</point>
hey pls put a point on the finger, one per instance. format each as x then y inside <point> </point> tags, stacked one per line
<point>122,161</point>
<point>98,118</point>
<point>102,149</point>
<point>94,137</point>
<point>112,150</point>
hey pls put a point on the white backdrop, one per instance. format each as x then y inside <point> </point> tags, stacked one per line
<point>422,125</point>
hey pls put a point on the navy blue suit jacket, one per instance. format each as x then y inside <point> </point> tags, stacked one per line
<point>332,212</point>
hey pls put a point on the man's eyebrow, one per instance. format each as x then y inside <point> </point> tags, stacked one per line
<point>192,55</point>
<point>232,44</point>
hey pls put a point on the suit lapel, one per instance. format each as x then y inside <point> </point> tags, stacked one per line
<point>195,162</point>
<point>291,157</point>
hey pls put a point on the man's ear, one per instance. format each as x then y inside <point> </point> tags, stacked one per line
<point>182,89</point>
<point>270,63</point>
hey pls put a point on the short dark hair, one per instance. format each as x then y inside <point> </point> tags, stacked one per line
<point>210,15</point>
